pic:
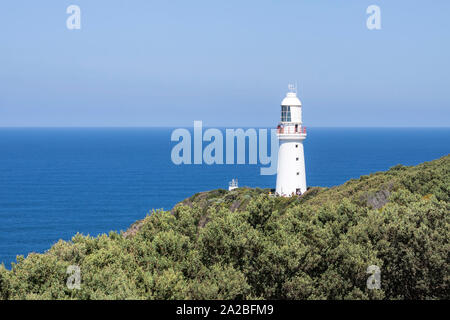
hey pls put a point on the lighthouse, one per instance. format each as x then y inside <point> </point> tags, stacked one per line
<point>291,177</point>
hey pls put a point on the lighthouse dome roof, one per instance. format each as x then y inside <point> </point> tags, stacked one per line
<point>291,100</point>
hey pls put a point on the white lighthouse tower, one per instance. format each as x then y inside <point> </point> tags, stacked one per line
<point>291,177</point>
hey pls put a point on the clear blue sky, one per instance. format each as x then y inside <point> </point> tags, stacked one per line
<point>226,62</point>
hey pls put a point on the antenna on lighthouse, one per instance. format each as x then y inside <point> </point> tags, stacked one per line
<point>292,88</point>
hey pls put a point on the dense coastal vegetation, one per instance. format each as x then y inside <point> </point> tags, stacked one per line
<point>246,244</point>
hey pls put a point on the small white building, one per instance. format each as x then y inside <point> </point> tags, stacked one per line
<point>233,184</point>
<point>291,176</point>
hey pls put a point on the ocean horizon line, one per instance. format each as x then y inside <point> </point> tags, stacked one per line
<point>219,127</point>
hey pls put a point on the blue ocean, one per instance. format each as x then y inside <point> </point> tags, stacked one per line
<point>55,182</point>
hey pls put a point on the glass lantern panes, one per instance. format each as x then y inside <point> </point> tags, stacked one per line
<point>285,113</point>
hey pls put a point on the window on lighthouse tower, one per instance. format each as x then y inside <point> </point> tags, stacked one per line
<point>285,114</point>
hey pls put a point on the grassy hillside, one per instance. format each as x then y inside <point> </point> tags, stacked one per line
<point>245,244</point>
